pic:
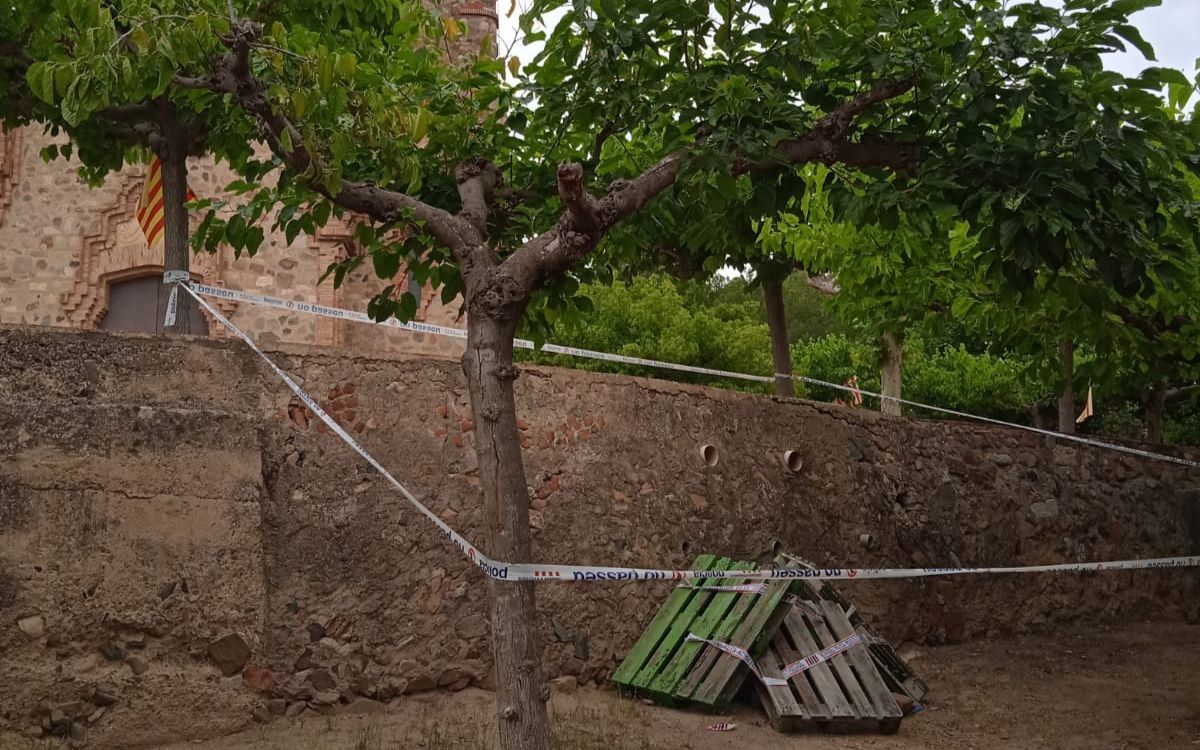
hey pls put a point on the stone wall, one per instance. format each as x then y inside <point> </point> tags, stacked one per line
<point>158,496</point>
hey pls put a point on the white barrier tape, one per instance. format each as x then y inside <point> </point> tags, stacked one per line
<point>341,314</point>
<point>745,588</point>
<point>989,420</point>
<point>821,656</point>
<point>173,277</point>
<point>533,572</point>
<point>738,653</point>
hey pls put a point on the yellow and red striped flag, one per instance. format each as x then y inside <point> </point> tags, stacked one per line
<point>150,206</point>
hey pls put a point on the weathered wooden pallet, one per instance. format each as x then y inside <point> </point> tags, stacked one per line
<point>671,670</point>
<point>899,677</point>
<point>844,693</point>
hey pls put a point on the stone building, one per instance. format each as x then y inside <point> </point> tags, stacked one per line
<point>75,257</point>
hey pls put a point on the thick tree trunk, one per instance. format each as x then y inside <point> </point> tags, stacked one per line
<point>176,255</point>
<point>1066,402</point>
<point>889,380</point>
<point>521,691</point>
<point>1156,401</point>
<point>780,349</point>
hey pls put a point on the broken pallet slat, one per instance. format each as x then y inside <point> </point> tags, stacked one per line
<point>652,636</point>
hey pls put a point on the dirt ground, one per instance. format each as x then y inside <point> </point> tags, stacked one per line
<point>1131,688</point>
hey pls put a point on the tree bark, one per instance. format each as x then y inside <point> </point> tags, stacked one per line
<point>1156,401</point>
<point>780,349</point>
<point>890,371</point>
<point>176,254</point>
<point>521,691</point>
<point>1066,401</point>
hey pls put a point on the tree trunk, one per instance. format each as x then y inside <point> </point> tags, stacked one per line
<point>1066,402</point>
<point>780,348</point>
<point>893,356</point>
<point>521,691</point>
<point>1156,401</point>
<point>176,255</point>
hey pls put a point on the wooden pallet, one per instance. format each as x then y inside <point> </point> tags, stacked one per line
<point>899,677</point>
<point>672,671</point>
<point>844,693</point>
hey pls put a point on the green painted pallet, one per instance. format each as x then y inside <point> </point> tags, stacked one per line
<point>666,667</point>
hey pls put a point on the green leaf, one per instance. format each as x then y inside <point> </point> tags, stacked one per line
<point>421,121</point>
<point>324,72</point>
<point>347,65</point>
<point>40,78</point>
<point>387,263</point>
<point>1134,37</point>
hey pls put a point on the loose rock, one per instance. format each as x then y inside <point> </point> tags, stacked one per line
<point>33,627</point>
<point>327,697</point>
<point>230,652</point>
<point>321,680</point>
<point>113,651</point>
<point>295,709</point>
<point>104,696</point>
<point>137,665</point>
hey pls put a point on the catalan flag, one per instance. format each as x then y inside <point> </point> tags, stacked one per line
<point>150,206</point>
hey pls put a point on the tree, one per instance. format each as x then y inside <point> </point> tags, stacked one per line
<point>656,317</point>
<point>925,103</point>
<point>113,115</point>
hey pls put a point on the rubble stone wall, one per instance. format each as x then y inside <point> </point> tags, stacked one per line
<point>183,547</point>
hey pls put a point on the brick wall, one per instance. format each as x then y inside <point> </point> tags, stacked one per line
<point>62,244</point>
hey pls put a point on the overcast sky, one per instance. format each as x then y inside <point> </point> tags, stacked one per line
<point>1173,29</point>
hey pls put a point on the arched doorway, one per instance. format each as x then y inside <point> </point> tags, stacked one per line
<point>139,304</point>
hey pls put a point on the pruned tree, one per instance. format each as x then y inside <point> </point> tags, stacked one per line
<point>511,188</point>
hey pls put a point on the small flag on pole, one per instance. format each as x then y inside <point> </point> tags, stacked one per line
<point>150,206</point>
<point>1087,409</point>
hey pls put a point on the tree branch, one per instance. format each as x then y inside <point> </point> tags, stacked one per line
<point>233,76</point>
<point>477,181</point>
<point>557,249</point>
<point>828,141</point>
<point>580,207</point>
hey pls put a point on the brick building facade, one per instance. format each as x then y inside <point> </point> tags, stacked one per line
<point>75,257</point>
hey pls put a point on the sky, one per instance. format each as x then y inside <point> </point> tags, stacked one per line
<point>1173,29</point>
